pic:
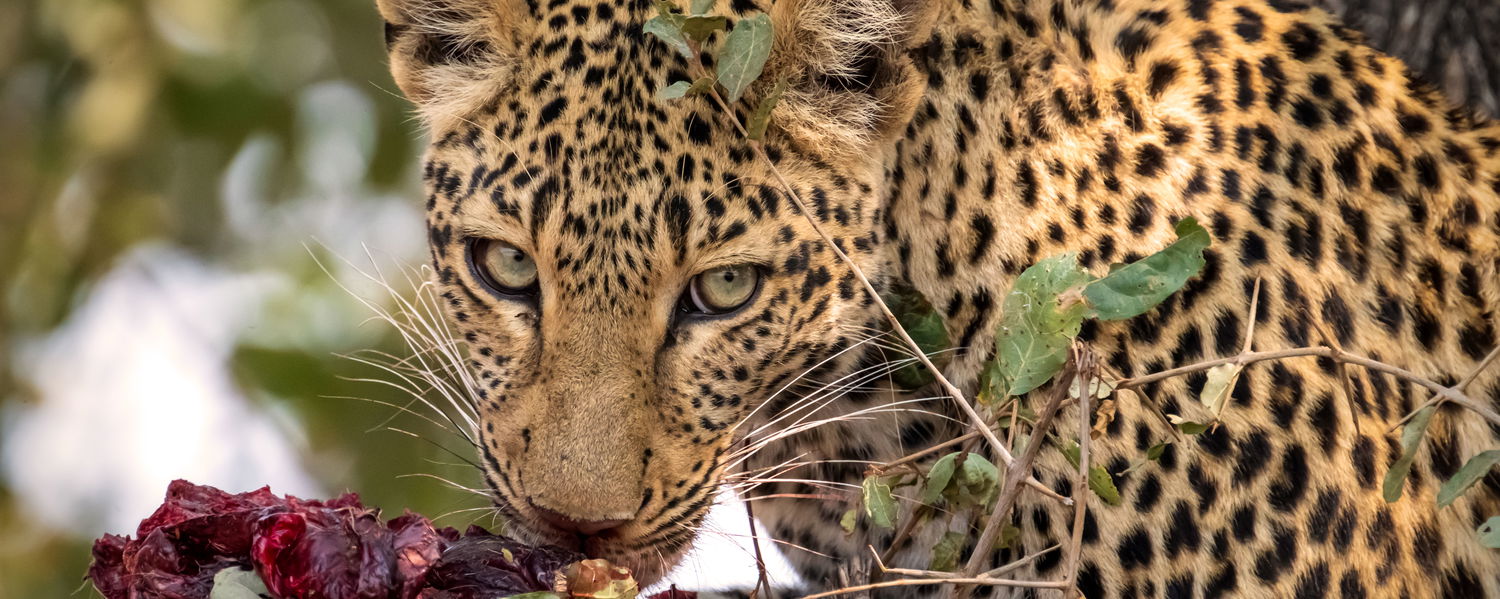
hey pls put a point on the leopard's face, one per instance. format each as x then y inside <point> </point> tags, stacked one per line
<point>631,280</point>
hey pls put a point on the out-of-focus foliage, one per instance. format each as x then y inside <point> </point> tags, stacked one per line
<point>126,122</point>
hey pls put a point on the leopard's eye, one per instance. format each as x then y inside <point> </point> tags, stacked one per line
<point>722,290</point>
<point>503,267</point>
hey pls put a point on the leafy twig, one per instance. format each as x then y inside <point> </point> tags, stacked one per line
<point>1059,394</point>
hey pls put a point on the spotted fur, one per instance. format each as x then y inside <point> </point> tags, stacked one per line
<point>947,145</point>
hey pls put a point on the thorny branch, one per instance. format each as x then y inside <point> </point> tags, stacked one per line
<point>1014,474</point>
<point>907,582</point>
<point>1454,394</point>
<point>763,584</point>
<point>995,573</point>
<point>911,457</point>
<point>1088,370</point>
<point>1438,398</point>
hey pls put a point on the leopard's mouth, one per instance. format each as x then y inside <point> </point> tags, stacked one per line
<point>648,564</point>
<point>649,552</point>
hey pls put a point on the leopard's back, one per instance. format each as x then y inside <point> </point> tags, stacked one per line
<point>1364,206</point>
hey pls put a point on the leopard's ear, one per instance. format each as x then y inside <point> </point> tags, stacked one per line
<point>451,57</point>
<point>849,80</point>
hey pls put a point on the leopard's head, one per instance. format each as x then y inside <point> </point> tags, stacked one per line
<point>631,280</point>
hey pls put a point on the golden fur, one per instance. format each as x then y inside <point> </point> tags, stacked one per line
<point>947,145</point>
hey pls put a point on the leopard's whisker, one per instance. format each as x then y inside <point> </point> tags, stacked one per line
<point>869,413</point>
<point>479,492</point>
<point>425,334</point>
<point>812,404</point>
<point>788,385</point>
<point>817,396</point>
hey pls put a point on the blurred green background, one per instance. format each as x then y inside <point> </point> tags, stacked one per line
<point>206,155</point>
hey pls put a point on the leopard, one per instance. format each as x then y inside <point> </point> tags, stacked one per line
<point>658,312</point>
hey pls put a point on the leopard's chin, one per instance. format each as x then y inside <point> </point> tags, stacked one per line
<point>648,563</point>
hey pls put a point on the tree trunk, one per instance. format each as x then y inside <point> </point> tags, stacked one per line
<point>1455,44</point>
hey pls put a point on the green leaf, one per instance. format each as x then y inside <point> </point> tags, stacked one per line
<point>973,483</point>
<point>1103,485</point>
<point>667,26</point>
<point>1136,288</point>
<point>1473,470</point>
<point>744,54</point>
<point>1134,465</point>
<point>669,12</point>
<point>1188,427</point>
<point>702,86</point>
<point>1411,437</point>
<point>680,89</point>
<point>925,326</point>
<point>979,480</point>
<point>1100,482</point>
<point>991,387</point>
<point>938,478</point>
<point>1489,533</point>
<point>880,505</point>
<point>1073,453</point>
<point>1153,454</point>
<point>674,91</point>
<point>850,519</point>
<point>1009,537</point>
<point>1023,414</point>
<point>1035,327</point>
<point>1219,386</point>
<point>238,583</point>
<point>1022,440</point>
<point>761,118</point>
<point>945,553</point>
<point>698,28</point>
<point>701,7</point>
<point>1099,387</point>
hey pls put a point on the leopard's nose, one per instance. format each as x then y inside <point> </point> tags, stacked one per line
<point>569,524</point>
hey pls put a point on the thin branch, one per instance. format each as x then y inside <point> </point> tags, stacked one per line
<point>905,533</point>
<point>997,572</point>
<point>1459,388</point>
<point>1250,318</point>
<point>910,572</point>
<point>939,574</point>
<point>1453,394</point>
<point>1343,372</point>
<point>1088,369</point>
<point>908,582</point>
<point>886,467</point>
<point>760,558</point>
<point>1008,493</point>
